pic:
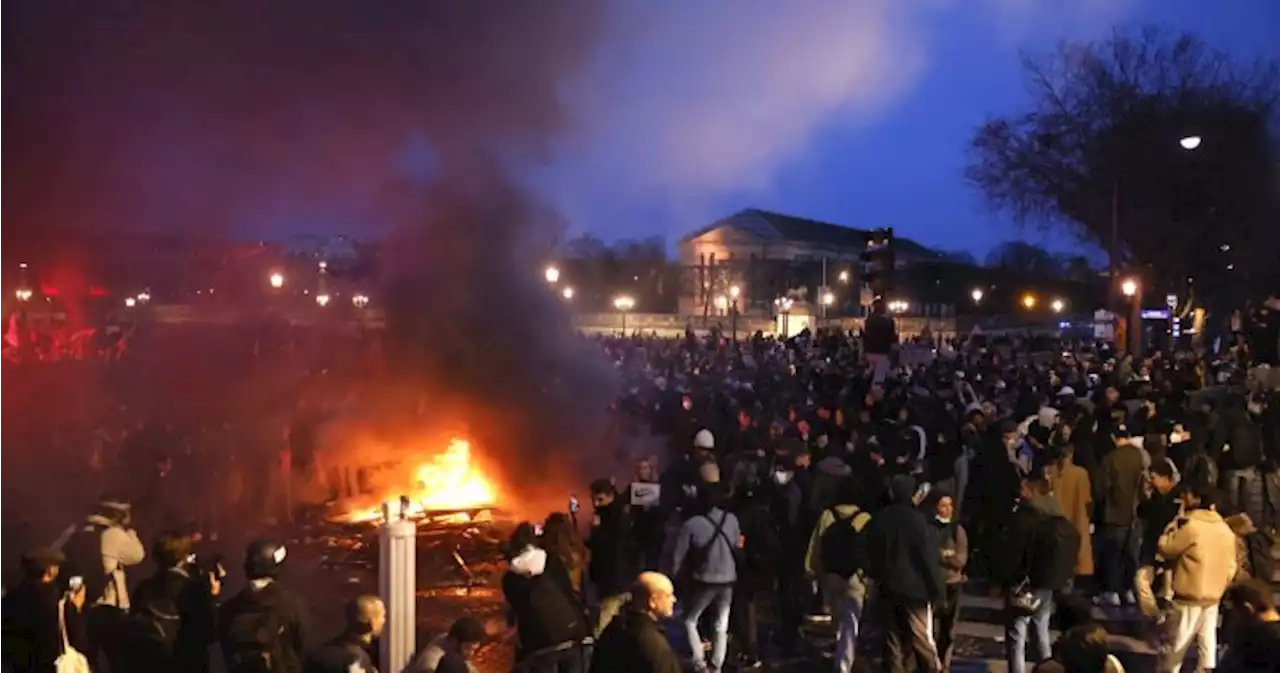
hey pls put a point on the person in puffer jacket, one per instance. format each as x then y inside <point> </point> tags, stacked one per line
<point>550,623</point>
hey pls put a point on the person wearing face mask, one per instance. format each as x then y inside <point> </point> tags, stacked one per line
<point>954,546</point>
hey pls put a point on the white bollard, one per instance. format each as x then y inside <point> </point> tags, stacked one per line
<point>398,584</point>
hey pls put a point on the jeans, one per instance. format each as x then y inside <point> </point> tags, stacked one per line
<point>944,623</point>
<point>719,597</point>
<point>1118,555</point>
<point>1241,486</point>
<point>1015,647</point>
<point>845,604</point>
<point>879,363</point>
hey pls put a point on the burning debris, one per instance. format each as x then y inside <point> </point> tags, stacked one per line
<point>446,488</point>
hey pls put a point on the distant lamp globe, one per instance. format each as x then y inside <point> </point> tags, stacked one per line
<point>1190,142</point>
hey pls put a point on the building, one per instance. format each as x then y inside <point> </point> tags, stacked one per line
<point>760,256</point>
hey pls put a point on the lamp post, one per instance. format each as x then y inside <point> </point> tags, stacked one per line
<point>783,304</point>
<point>567,293</point>
<point>552,274</point>
<point>624,303</point>
<point>276,279</point>
<point>1132,288</point>
<point>976,295</point>
<point>1057,305</point>
<point>734,293</point>
<point>397,583</point>
<point>1028,301</point>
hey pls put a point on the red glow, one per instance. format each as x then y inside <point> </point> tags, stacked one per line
<point>96,291</point>
<point>48,290</point>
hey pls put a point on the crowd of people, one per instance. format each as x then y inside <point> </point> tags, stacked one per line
<point>812,480</point>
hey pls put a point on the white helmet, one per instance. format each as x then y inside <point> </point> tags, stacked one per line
<point>704,440</point>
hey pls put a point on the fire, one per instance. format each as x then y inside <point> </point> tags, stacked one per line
<point>448,482</point>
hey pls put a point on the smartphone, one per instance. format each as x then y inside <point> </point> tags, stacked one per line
<point>191,559</point>
<point>75,583</point>
<point>537,529</point>
<point>573,504</point>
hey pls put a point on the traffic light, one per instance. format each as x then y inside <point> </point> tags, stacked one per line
<point>878,262</point>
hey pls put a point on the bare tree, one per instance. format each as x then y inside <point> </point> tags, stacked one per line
<point>1101,151</point>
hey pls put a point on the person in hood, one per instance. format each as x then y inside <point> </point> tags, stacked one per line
<point>706,551</point>
<point>264,624</point>
<point>904,564</point>
<point>634,642</point>
<point>1201,549</point>
<point>614,555</point>
<point>843,592</point>
<point>451,652</point>
<point>365,617</point>
<point>100,551</point>
<point>1160,505</point>
<point>550,622</point>
<point>825,483</point>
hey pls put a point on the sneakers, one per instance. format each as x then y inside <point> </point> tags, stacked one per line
<point>1108,599</point>
<point>1129,598</point>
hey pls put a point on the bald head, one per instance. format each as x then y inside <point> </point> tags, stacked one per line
<point>654,594</point>
<point>366,615</point>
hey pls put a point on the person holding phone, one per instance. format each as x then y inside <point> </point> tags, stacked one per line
<point>33,623</point>
<point>174,610</point>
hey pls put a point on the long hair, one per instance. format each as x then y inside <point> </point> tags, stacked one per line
<point>559,537</point>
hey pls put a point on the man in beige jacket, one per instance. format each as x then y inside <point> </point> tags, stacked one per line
<point>1200,547</point>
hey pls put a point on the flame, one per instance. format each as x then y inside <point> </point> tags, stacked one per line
<point>448,482</point>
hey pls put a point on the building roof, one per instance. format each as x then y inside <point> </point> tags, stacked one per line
<point>780,227</point>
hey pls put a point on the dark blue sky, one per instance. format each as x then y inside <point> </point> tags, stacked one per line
<point>880,142</point>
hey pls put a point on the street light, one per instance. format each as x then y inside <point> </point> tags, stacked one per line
<point>1028,301</point>
<point>130,302</point>
<point>322,299</point>
<point>23,295</point>
<point>897,306</point>
<point>1190,142</point>
<point>1057,306</point>
<point>843,276</point>
<point>828,298</point>
<point>977,295</point>
<point>734,292</point>
<point>567,293</point>
<point>277,280</point>
<point>624,303</point>
<point>552,274</point>
<point>359,300</point>
<point>1129,287</point>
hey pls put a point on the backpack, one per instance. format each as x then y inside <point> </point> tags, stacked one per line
<point>83,552</point>
<point>252,642</point>
<point>1055,547</point>
<point>844,545</point>
<point>695,559</point>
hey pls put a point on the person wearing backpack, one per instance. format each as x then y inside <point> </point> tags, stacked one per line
<point>837,557</point>
<point>706,559</point>
<point>174,612</point>
<point>365,617</point>
<point>1041,554</point>
<point>262,628</point>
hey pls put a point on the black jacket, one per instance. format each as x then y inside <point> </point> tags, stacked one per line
<point>634,643</point>
<point>905,558</point>
<point>541,602</point>
<point>614,564</point>
<point>269,599</point>
<point>1023,547</point>
<point>1236,429</point>
<point>32,636</point>
<point>1156,513</point>
<point>339,656</point>
<point>879,335</point>
<point>184,609</point>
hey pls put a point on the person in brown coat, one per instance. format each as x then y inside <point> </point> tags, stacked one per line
<point>1074,493</point>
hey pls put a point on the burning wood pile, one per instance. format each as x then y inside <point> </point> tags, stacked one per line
<point>460,531</point>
